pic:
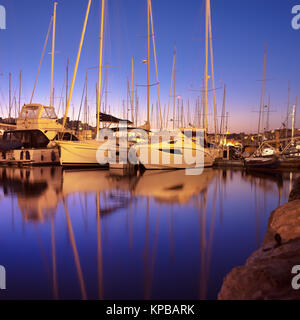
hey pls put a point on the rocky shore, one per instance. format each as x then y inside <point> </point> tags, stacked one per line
<point>267,273</point>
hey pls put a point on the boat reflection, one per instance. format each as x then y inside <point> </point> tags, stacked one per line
<point>145,228</point>
<point>40,190</point>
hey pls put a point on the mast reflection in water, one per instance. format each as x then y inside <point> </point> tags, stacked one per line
<point>100,235</point>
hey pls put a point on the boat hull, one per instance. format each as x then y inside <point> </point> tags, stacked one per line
<point>177,162</point>
<point>79,153</point>
<point>293,163</point>
<point>261,163</point>
<point>32,157</point>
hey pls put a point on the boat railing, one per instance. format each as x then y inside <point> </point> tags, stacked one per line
<point>268,143</point>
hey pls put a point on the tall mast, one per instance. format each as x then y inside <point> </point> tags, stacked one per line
<point>20,90</point>
<point>96,96</point>
<point>212,71</point>
<point>86,100</point>
<point>155,60</point>
<point>127,81</point>
<point>288,110</point>
<point>171,87</point>
<point>296,110</point>
<point>53,52</point>
<point>9,102</point>
<point>197,120</point>
<point>106,88</point>
<point>157,116</point>
<point>203,106</point>
<point>136,107</point>
<point>188,121</point>
<point>206,65</point>
<point>132,90</point>
<point>178,113</point>
<point>226,128</point>
<point>268,114</point>
<point>174,92</point>
<point>148,62</point>
<point>262,102</point>
<point>124,114</point>
<point>294,117</point>
<point>223,113</point>
<point>77,62</point>
<point>67,81</point>
<point>15,103</point>
<point>100,66</point>
<point>151,115</point>
<point>182,117</point>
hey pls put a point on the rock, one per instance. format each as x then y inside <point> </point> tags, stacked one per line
<point>295,193</point>
<point>267,273</point>
<point>284,221</point>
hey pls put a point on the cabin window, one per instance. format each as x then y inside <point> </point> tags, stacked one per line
<point>22,155</point>
<point>66,136</point>
<point>30,112</point>
<point>27,155</point>
<point>48,113</point>
<point>3,155</point>
<point>171,151</point>
<point>13,136</point>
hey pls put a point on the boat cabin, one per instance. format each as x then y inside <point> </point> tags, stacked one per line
<point>37,126</point>
<point>39,117</point>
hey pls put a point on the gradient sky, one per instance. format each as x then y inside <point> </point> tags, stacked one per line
<point>240,29</point>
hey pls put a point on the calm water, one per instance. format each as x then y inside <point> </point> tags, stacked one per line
<point>163,235</point>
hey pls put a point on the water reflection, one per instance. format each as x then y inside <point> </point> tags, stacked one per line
<point>102,235</point>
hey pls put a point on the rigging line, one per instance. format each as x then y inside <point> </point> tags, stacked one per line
<point>155,60</point>
<point>81,103</point>
<point>79,113</point>
<point>170,95</point>
<point>42,57</point>
<point>61,95</point>
<point>3,98</point>
<point>76,64</point>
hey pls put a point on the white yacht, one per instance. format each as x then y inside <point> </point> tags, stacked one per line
<point>171,154</point>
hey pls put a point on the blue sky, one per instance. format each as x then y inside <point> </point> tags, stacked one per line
<point>240,29</point>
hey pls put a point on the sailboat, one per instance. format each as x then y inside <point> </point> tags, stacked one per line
<point>290,156</point>
<point>180,144</point>
<point>175,153</point>
<point>83,153</point>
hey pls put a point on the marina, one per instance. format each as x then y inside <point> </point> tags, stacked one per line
<point>145,160</point>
